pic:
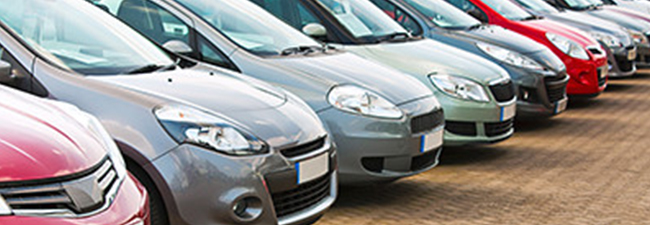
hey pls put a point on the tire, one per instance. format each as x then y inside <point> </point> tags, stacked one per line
<point>157,211</point>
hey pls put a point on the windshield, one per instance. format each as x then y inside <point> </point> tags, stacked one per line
<point>362,18</point>
<point>582,4</point>
<point>251,27</point>
<point>80,37</point>
<point>538,6</point>
<point>443,14</point>
<point>508,9</point>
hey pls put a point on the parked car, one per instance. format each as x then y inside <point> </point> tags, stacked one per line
<point>615,39</point>
<point>386,124</point>
<point>477,95</point>
<point>585,59</point>
<point>59,166</point>
<point>640,6</point>
<point>640,29</point>
<point>210,146</point>
<point>538,74</point>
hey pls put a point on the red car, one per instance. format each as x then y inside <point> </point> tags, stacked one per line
<point>59,166</point>
<point>585,59</point>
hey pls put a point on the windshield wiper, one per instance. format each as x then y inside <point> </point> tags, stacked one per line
<point>532,17</point>
<point>151,68</point>
<point>397,36</point>
<point>302,50</point>
<point>475,26</point>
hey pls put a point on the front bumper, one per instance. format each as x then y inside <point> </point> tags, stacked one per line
<point>587,77</point>
<point>204,186</point>
<point>643,56</point>
<point>468,122</point>
<point>130,207</point>
<point>620,64</point>
<point>379,150</point>
<point>539,93</point>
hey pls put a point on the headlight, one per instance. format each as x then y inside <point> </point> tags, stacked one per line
<point>460,87</point>
<point>509,57</point>
<point>567,46</point>
<point>608,40</point>
<point>190,125</point>
<point>361,101</point>
<point>638,37</point>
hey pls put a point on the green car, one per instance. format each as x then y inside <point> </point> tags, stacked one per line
<point>477,95</point>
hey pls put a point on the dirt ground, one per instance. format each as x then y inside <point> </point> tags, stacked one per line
<point>589,165</point>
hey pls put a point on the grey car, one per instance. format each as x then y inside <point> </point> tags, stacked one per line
<point>386,124</point>
<point>539,76</point>
<point>211,146</point>
<point>639,29</point>
<point>615,39</point>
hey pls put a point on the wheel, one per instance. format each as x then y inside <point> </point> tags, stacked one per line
<point>157,210</point>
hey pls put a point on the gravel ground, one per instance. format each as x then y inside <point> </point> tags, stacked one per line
<point>589,165</point>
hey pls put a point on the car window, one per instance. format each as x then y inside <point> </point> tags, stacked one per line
<point>148,18</point>
<point>290,11</point>
<point>470,8</point>
<point>400,16</point>
<point>21,78</point>
<point>210,54</point>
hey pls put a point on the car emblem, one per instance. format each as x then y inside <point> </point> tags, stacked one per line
<point>84,193</point>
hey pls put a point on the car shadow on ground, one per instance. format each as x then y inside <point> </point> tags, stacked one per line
<point>470,155</point>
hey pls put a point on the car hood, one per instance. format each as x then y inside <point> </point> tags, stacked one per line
<point>42,141</point>
<point>504,38</point>
<point>576,35</point>
<point>347,68</point>
<point>424,57</point>
<point>211,89</point>
<point>620,18</point>
<point>589,23</point>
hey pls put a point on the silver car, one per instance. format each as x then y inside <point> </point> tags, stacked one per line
<point>211,146</point>
<point>386,124</point>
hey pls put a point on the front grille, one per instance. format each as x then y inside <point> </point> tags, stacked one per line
<point>427,121</point>
<point>602,80</point>
<point>74,197</point>
<point>499,128</point>
<point>503,92</point>
<point>303,149</point>
<point>425,160</point>
<point>624,64</point>
<point>302,197</point>
<point>461,128</point>
<point>554,90</point>
<point>595,51</point>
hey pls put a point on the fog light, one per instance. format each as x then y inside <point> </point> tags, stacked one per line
<point>248,208</point>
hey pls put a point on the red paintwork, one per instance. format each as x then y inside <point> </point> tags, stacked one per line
<point>38,140</point>
<point>583,73</point>
<point>628,12</point>
<point>130,206</point>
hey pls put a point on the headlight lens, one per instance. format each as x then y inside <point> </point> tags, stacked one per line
<point>609,40</point>
<point>190,125</point>
<point>361,101</point>
<point>638,37</point>
<point>567,46</point>
<point>460,87</point>
<point>509,57</point>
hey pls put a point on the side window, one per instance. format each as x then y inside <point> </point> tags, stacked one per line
<point>149,19</point>
<point>471,9</point>
<point>290,11</point>
<point>20,78</point>
<point>400,16</point>
<point>212,55</point>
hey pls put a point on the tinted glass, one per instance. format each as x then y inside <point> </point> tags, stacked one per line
<point>79,36</point>
<point>361,18</point>
<point>508,9</point>
<point>537,6</point>
<point>399,15</point>
<point>443,14</point>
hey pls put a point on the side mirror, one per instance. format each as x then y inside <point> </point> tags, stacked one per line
<point>314,30</point>
<point>5,72</point>
<point>478,15</point>
<point>178,47</point>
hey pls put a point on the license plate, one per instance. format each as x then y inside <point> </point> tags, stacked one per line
<point>507,112</point>
<point>631,55</point>
<point>560,106</point>
<point>313,168</point>
<point>431,141</point>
